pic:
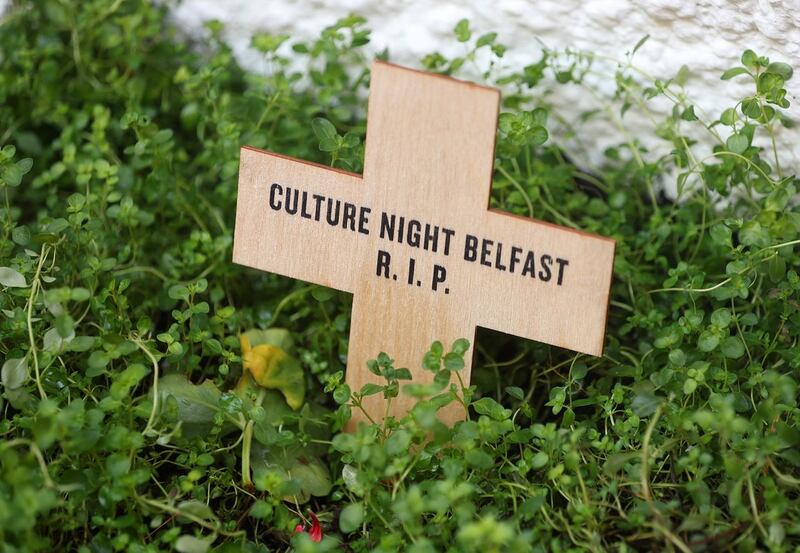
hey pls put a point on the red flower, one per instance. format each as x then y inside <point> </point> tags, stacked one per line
<point>316,529</point>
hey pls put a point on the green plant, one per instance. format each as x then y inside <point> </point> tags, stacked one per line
<point>131,423</point>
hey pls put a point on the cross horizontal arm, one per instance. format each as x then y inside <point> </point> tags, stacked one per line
<point>299,219</point>
<point>540,281</point>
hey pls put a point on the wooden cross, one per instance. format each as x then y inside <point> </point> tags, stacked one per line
<point>413,238</point>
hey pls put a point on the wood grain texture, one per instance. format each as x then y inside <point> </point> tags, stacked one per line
<point>429,158</point>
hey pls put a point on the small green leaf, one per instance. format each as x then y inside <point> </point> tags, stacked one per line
<point>125,381</point>
<point>486,39</point>
<point>433,357</point>
<point>80,294</point>
<point>540,460</point>
<point>677,357</point>
<point>689,114</point>
<point>488,406</point>
<point>328,144</point>
<point>732,347</point>
<point>26,164</point>
<point>64,325</point>
<point>708,341</point>
<point>479,459</point>
<point>749,58</point>
<point>578,371</point>
<point>98,360</point>
<point>117,465</point>
<point>668,337</point>
<point>178,292</point>
<point>664,376</point>
<point>266,42</point>
<point>324,129</point>
<point>53,342</point>
<point>308,474</point>
<point>453,361</point>
<point>640,43</point>
<point>81,343</point>
<point>260,509</point>
<point>682,76</point>
<point>196,404</point>
<point>341,394</point>
<point>733,72</point>
<point>721,234</point>
<point>721,317</point>
<point>777,533</point>
<point>728,117</point>
<point>370,389</point>
<point>11,278</point>
<point>191,544</point>
<point>753,234</point>
<point>12,174</point>
<point>350,478</point>
<point>460,346</point>
<point>373,367</point>
<point>617,461</point>
<point>783,69</point>
<point>402,374</point>
<point>21,235</point>
<point>778,199</point>
<point>350,140</point>
<point>8,152</point>
<point>322,294</point>
<point>776,269</point>
<point>462,30</point>
<point>769,83</point>
<point>737,143</point>
<point>197,509</point>
<point>645,403</point>
<point>751,108</point>
<point>351,517</point>
<point>14,373</point>
<point>537,135</point>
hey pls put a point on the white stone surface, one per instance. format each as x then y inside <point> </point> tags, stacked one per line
<point>706,35</point>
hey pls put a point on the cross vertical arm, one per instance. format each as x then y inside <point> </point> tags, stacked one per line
<point>430,141</point>
<point>404,326</point>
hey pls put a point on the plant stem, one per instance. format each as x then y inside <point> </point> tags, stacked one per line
<point>34,291</point>
<point>36,453</point>
<point>197,520</point>
<point>149,426</point>
<point>645,470</point>
<point>247,443</point>
<point>519,187</point>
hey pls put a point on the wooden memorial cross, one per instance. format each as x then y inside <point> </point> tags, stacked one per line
<point>413,238</point>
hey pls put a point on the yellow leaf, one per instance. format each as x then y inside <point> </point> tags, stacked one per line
<point>273,368</point>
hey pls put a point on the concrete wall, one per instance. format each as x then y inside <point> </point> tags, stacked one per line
<point>706,35</point>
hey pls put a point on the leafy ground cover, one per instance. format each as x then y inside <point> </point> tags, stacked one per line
<point>156,397</point>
